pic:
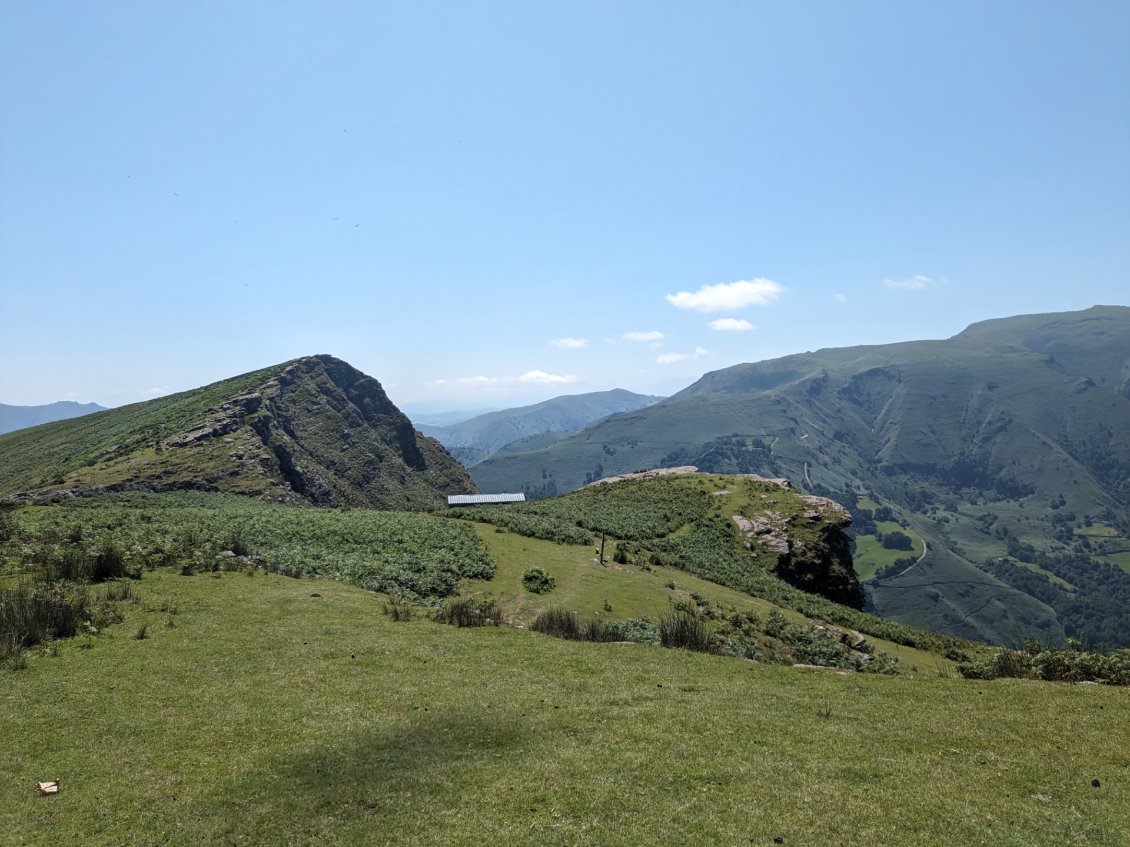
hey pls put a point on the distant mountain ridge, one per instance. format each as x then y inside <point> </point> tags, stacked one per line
<point>473,440</point>
<point>21,417</point>
<point>446,418</point>
<point>312,430</point>
<point>1009,440</point>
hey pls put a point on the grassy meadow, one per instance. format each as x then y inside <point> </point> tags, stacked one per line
<point>272,675</point>
<point>276,710</point>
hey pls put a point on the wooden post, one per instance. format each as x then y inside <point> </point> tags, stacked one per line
<point>602,547</point>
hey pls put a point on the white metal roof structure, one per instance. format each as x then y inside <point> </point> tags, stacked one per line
<point>478,499</point>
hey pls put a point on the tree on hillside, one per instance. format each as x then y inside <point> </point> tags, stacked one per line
<point>897,541</point>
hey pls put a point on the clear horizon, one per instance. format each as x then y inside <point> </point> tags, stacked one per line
<point>489,206</point>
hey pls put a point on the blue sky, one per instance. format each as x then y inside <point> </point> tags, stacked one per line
<point>488,204</point>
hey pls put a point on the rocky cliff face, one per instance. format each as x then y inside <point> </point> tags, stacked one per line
<point>314,430</point>
<point>807,548</point>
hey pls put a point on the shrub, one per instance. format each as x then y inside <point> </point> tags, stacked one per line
<point>1011,663</point>
<point>559,623</point>
<point>109,563</point>
<point>639,630</point>
<point>897,541</point>
<point>237,545</point>
<point>775,623</point>
<point>685,629</point>
<point>31,613</point>
<point>398,610</point>
<point>818,647</point>
<point>118,590</point>
<point>538,581</point>
<point>469,611</point>
<point>600,631</point>
<point>976,670</point>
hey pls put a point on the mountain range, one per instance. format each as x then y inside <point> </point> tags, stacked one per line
<point>997,460</point>
<point>530,427</point>
<point>1006,449</point>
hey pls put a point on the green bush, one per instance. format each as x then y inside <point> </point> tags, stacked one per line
<point>775,623</point>
<point>471,611</point>
<point>34,612</point>
<point>1075,665</point>
<point>538,581</point>
<point>685,629</point>
<point>559,623</point>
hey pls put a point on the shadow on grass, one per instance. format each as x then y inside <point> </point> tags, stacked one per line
<point>384,780</point>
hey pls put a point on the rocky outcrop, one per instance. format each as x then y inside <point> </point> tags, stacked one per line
<point>806,548</point>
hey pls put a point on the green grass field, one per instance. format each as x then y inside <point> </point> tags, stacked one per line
<point>585,586</point>
<point>268,715</point>
<point>870,555</point>
<point>1122,560</point>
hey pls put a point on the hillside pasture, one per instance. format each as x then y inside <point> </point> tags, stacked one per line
<point>280,711</point>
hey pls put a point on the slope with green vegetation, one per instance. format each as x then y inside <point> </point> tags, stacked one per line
<point>312,430</point>
<point>1007,440</point>
<point>693,523</point>
<point>260,709</point>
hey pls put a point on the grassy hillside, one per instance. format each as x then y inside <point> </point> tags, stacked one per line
<point>1000,442</point>
<point>270,710</point>
<point>312,430</point>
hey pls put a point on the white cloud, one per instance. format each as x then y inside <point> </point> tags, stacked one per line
<point>529,377</point>
<point>479,380</point>
<point>914,283</point>
<point>671,358</point>
<point>728,296</point>
<point>569,343</point>
<point>732,325</point>
<point>840,298</point>
<point>542,376</point>
<point>654,335</point>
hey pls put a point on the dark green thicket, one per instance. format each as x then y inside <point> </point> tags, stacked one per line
<point>36,611</point>
<point>1035,662</point>
<point>412,555</point>
<point>633,510</point>
<point>525,522</point>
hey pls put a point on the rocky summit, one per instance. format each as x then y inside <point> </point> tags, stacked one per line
<point>313,430</point>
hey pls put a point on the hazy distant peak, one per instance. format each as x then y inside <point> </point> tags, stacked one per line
<point>19,417</point>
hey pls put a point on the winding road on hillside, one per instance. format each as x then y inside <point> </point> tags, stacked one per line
<point>925,550</point>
